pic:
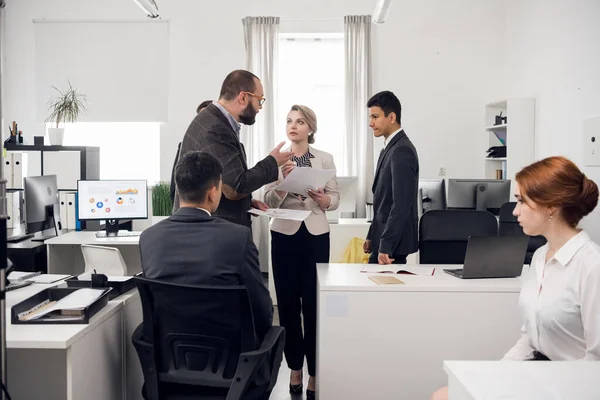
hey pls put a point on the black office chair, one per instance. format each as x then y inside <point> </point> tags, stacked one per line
<point>509,226</point>
<point>443,234</point>
<point>199,342</point>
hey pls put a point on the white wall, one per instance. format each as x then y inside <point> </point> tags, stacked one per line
<point>553,54</point>
<point>442,58</point>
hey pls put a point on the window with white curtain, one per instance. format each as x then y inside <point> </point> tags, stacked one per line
<point>311,73</point>
<point>128,150</point>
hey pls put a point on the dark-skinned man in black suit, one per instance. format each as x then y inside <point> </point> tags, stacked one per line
<point>194,247</point>
<point>393,232</point>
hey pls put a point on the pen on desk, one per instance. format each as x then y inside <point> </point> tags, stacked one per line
<point>433,273</point>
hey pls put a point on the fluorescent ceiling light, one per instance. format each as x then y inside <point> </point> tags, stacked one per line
<point>149,7</point>
<point>381,11</point>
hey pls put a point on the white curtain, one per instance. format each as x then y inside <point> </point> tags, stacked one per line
<point>359,143</point>
<point>262,37</point>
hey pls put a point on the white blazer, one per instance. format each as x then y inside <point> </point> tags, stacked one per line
<point>316,222</point>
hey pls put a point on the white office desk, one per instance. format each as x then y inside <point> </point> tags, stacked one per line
<point>500,380</point>
<point>384,342</point>
<point>65,257</point>
<point>75,361</point>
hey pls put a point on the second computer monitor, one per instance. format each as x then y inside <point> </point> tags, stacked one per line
<point>112,200</point>
<point>478,194</point>
<point>432,194</point>
<point>42,207</point>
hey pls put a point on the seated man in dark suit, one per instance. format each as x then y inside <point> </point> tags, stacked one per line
<point>193,247</point>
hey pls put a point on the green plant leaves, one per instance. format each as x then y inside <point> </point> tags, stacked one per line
<point>161,199</point>
<point>66,106</point>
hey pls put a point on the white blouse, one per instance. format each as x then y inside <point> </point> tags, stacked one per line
<point>560,301</point>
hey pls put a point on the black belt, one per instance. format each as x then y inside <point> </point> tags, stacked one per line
<point>537,356</point>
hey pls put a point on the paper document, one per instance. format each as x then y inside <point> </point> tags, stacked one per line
<point>78,300</point>
<point>295,215</point>
<point>36,277</point>
<point>386,280</point>
<point>303,178</point>
<point>395,269</point>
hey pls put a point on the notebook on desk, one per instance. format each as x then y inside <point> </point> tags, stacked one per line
<point>493,257</point>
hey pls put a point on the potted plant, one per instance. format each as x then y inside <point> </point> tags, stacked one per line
<point>66,106</point>
<point>161,201</point>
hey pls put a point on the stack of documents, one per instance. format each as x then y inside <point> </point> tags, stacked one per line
<point>36,277</point>
<point>303,178</point>
<point>72,304</point>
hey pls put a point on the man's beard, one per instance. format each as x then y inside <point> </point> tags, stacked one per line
<point>248,116</point>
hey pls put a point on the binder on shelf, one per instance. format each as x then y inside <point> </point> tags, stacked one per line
<point>9,210</point>
<point>71,211</point>
<point>19,169</point>
<point>64,217</point>
<point>7,169</point>
<point>75,308</point>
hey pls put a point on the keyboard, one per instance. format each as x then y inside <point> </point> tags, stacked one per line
<point>19,238</point>
<point>455,272</point>
<point>102,234</point>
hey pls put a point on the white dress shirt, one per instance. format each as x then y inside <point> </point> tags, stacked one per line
<point>560,301</point>
<point>205,210</point>
<point>389,138</point>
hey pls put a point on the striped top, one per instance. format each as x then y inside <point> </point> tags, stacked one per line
<point>303,161</point>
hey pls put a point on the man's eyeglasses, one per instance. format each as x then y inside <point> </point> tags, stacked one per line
<point>261,99</point>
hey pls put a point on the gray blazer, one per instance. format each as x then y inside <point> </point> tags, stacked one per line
<point>316,223</point>
<point>191,247</point>
<point>211,132</point>
<point>395,216</point>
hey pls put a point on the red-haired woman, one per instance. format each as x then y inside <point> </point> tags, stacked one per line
<point>560,299</point>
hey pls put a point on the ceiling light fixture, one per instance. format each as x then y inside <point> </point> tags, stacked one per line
<point>149,7</point>
<point>381,11</point>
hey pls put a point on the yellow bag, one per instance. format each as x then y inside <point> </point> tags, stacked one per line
<point>354,253</point>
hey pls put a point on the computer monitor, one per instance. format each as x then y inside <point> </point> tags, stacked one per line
<point>347,188</point>
<point>112,201</point>
<point>432,194</point>
<point>478,194</point>
<point>42,207</point>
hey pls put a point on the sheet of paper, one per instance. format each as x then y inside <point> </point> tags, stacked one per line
<point>79,299</point>
<point>16,275</point>
<point>303,178</point>
<point>281,213</point>
<point>396,269</point>
<point>48,278</point>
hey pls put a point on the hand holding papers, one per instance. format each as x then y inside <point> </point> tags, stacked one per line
<point>303,178</point>
<point>295,215</point>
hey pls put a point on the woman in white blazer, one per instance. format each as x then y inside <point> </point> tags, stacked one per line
<point>297,246</point>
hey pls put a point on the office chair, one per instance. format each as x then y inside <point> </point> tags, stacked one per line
<point>443,234</point>
<point>199,342</point>
<point>509,226</point>
<point>105,260</point>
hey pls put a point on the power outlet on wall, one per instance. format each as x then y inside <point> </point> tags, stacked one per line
<point>442,171</point>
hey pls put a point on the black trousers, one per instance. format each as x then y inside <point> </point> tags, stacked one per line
<point>294,259</point>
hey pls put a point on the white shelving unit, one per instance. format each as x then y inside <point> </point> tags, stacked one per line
<point>518,132</point>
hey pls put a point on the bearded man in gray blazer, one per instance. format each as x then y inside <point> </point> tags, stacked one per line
<point>393,232</point>
<point>216,131</point>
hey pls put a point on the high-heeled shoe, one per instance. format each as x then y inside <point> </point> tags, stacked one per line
<point>296,389</point>
<point>310,394</point>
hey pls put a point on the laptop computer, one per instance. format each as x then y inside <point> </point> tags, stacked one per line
<point>493,257</point>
